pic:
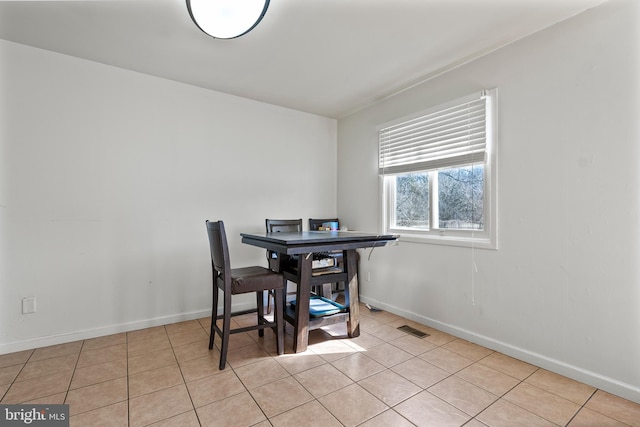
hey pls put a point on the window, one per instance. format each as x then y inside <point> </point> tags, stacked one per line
<point>438,173</point>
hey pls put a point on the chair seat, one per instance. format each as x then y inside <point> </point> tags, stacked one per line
<point>254,279</point>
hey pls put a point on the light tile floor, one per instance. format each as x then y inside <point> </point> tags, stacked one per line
<point>166,376</point>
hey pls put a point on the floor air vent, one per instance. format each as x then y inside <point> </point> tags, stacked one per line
<point>413,331</point>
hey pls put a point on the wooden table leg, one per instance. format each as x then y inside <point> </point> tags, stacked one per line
<point>351,293</point>
<point>303,294</point>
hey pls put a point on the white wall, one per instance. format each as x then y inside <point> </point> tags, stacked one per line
<point>563,289</point>
<point>107,177</point>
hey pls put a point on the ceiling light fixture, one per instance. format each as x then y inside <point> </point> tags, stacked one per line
<point>227,19</point>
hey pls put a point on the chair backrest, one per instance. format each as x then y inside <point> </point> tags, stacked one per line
<point>283,225</point>
<point>315,224</point>
<point>219,250</point>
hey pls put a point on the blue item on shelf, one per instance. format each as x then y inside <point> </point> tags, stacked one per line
<point>320,306</point>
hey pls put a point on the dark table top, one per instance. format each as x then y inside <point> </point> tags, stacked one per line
<point>316,241</point>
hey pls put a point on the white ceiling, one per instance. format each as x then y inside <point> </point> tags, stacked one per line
<point>327,57</point>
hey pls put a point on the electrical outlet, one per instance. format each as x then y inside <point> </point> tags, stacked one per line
<point>368,276</point>
<point>28,305</point>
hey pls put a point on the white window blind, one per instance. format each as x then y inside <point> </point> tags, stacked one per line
<point>449,135</point>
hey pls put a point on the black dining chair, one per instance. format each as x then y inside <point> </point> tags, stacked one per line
<point>316,224</point>
<point>329,290</point>
<point>284,225</point>
<point>295,225</point>
<point>277,226</point>
<point>240,281</point>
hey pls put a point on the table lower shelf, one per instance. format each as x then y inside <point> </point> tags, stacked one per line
<point>316,322</point>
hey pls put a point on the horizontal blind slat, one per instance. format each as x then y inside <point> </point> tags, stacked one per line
<point>443,163</point>
<point>462,109</point>
<point>472,141</point>
<point>424,153</point>
<point>439,139</point>
<point>442,128</point>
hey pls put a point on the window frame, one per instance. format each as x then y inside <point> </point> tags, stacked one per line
<point>486,238</point>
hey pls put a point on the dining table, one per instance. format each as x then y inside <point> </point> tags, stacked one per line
<point>296,249</point>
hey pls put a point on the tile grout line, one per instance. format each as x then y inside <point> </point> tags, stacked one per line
<point>24,365</point>
<point>184,381</point>
<point>582,407</point>
<point>126,352</point>
<point>501,397</point>
<point>73,374</point>
<point>182,375</point>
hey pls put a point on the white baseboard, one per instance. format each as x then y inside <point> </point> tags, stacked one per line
<point>64,338</point>
<point>610,385</point>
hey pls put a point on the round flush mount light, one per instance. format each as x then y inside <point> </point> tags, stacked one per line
<point>227,19</point>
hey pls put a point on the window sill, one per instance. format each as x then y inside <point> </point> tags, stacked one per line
<point>467,242</point>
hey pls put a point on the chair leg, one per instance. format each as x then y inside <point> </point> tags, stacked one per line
<point>284,293</point>
<point>260,305</point>
<point>214,316</point>
<point>226,328</point>
<point>269,296</point>
<point>278,318</point>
